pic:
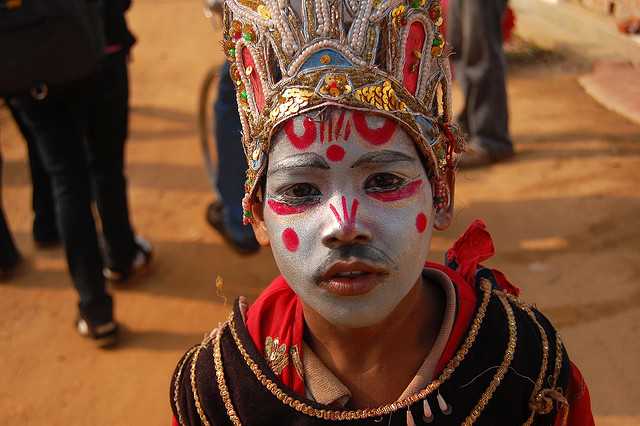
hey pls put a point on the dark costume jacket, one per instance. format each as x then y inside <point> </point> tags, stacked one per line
<point>504,363</point>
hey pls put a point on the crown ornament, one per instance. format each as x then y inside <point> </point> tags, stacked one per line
<point>387,57</point>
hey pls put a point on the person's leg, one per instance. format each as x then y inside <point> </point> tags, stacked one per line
<point>59,143</point>
<point>454,38</point>
<point>107,108</point>
<point>481,70</point>
<point>45,231</point>
<point>232,165</point>
<point>9,255</point>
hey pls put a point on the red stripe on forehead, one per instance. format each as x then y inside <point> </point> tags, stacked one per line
<point>339,125</point>
<point>308,136</point>
<point>347,131</point>
<point>376,136</point>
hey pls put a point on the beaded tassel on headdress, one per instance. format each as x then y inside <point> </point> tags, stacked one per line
<point>385,57</point>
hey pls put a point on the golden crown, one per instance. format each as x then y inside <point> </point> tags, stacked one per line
<point>388,57</point>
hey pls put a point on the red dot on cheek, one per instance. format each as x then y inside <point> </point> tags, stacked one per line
<point>421,222</point>
<point>335,153</point>
<point>290,239</point>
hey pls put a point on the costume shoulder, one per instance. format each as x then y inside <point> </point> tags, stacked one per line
<point>538,364</point>
<point>192,393</point>
<point>226,381</point>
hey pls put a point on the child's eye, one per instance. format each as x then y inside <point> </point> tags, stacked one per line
<point>298,194</point>
<point>382,182</point>
<point>300,190</point>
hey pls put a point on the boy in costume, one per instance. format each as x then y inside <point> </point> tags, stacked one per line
<point>346,113</point>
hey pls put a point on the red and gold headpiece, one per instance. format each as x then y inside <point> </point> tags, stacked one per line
<point>386,57</point>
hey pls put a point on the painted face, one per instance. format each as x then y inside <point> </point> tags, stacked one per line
<point>348,211</point>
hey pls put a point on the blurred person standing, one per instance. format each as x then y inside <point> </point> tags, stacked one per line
<point>81,131</point>
<point>475,33</point>
<point>106,114</point>
<point>44,230</point>
<point>226,215</point>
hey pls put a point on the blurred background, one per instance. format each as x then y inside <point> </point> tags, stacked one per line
<point>564,214</point>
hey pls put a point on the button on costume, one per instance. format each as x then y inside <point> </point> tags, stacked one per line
<point>495,361</point>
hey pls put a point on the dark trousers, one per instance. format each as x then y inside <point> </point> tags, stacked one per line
<point>107,125</point>
<point>81,134</point>
<point>232,165</point>
<point>475,33</point>
<point>9,254</point>
<point>61,147</point>
<point>44,220</point>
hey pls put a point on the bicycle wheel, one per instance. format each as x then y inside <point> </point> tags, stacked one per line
<point>208,94</point>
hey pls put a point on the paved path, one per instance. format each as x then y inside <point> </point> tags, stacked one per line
<point>564,215</point>
<point>564,25</point>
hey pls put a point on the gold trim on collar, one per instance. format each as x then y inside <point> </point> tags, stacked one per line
<point>327,414</point>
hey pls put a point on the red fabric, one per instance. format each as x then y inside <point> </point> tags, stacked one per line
<point>415,43</point>
<point>174,422</point>
<point>508,24</point>
<point>278,313</point>
<point>256,84</point>
<point>504,283</point>
<point>579,401</point>
<point>473,247</point>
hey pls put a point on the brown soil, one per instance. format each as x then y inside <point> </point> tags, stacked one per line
<point>563,213</point>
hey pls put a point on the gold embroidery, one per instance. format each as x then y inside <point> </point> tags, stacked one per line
<point>558,363</point>
<point>380,96</point>
<point>544,403</point>
<point>276,354</point>
<point>543,365</point>
<point>504,367</point>
<point>290,102</point>
<point>251,4</point>
<point>389,408</point>
<point>194,389</point>
<point>297,361</point>
<point>334,85</point>
<point>176,386</point>
<point>222,384</point>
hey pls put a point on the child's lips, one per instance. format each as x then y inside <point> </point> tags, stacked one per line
<point>351,278</point>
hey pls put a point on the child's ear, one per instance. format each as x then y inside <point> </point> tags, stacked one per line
<point>259,227</point>
<point>442,218</point>
<point>444,192</point>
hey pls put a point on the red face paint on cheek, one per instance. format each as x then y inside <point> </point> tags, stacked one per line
<point>335,153</point>
<point>282,209</point>
<point>406,191</point>
<point>290,240</point>
<point>421,222</point>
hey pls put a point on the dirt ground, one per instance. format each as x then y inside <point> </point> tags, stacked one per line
<point>563,214</point>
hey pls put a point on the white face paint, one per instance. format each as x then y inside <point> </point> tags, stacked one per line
<point>348,210</point>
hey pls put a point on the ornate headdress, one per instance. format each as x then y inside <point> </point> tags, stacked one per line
<point>381,56</point>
